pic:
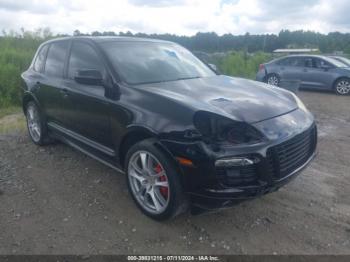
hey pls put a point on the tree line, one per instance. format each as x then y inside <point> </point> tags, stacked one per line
<point>211,42</point>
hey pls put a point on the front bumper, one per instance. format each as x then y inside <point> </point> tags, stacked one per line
<point>260,76</point>
<point>264,168</point>
<point>212,199</point>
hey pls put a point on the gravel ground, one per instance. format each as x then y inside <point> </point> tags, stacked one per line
<point>55,200</point>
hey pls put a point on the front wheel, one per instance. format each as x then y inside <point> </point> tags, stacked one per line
<point>154,182</point>
<point>342,87</point>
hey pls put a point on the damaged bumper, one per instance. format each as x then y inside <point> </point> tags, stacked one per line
<point>222,177</point>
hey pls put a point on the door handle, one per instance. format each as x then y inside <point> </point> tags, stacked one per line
<point>305,70</point>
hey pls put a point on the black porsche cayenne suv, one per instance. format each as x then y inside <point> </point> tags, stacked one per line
<point>184,136</point>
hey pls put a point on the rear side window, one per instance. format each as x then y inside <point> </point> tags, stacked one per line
<point>40,59</point>
<point>55,59</point>
<point>297,61</point>
<point>83,57</point>
<point>308,62</point>
<point>292,61</point>
<point>284,62</point>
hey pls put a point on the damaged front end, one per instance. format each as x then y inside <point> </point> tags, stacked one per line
<point>230,161</point>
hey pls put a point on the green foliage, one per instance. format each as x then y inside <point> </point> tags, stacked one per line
<point>241,64</point>
<point>9,111</point>
<point>16,53</point>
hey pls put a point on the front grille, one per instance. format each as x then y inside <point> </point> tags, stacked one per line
<point>292,154</point>
<point>282,160</point>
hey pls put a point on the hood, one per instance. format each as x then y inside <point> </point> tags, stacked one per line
<point>236,98</point>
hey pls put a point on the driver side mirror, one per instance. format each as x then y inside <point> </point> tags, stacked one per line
<point>89,77</point>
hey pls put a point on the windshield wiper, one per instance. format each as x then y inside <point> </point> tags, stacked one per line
<point>163,81</point>
<point>186,78</point>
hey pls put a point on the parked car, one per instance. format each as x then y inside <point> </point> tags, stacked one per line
<point>342,59</point>
<point>313,71</point>
<point>183,136</point>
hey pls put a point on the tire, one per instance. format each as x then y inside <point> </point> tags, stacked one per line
<point>153,181</point>
<point>342,86</point>
<point>37,128</point>
<point>273,79</point>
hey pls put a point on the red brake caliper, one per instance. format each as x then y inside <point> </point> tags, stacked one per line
<point>163,190</point>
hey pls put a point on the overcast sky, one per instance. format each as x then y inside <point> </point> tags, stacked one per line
<point>182,17</point>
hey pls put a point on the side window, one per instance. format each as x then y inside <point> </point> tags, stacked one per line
<point>297,61</point>
<point>55,59</point>
<point>308,62</point>
<point>293,61</point>
<point>284,62</point>
<point>320,63</point>
<point>83,56</point>
<point>40,59</point>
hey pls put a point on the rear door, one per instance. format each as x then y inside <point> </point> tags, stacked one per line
<point>290,68</point>
<point>309,75</point>
<point>316,76</point>
<point>49,90</point>
<point>88,111</point>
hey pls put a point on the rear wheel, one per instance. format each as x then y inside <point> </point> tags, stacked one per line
<point>36,125</point>
<point>342,86</point>
<point>153,182</point>
<point>273,79</point>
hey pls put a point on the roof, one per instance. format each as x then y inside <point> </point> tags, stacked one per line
<point>299,50</point>
<point>102,39</point>
<point>303,55</point>
<point>310,55</point>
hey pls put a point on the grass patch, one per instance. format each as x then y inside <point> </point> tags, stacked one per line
<point>10,110</point>
<point>11,120</point>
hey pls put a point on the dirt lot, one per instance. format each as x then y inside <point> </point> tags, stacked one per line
<point>55,200</point>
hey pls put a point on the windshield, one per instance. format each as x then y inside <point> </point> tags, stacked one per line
<point>335,62</point>
<point>343,60</point>
<point>150,62</point>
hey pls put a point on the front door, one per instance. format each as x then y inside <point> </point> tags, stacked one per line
<point>318,74</point>
<point>88,111</point>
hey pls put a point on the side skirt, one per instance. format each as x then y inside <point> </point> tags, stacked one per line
<point>94,152</point>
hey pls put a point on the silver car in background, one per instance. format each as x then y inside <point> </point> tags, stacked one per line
<point>312,71</point>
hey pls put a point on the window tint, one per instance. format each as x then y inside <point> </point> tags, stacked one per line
<point>308,62</point>
<point>40,59</point>
<point>284,62</point>
<point>83,56</point>
<point>320,63</point>
<point>292,61</point>
<point>297,61</point>
<point>55,59</point>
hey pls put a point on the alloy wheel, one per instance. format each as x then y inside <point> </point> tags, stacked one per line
<point>148,182</point>
<point>343,87</point>
<point>273,80</point>
<point>33,121</point>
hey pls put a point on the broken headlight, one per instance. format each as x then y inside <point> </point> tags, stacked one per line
<point>216,128</point>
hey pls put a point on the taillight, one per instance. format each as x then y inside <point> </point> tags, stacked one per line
<point>261,67</point>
